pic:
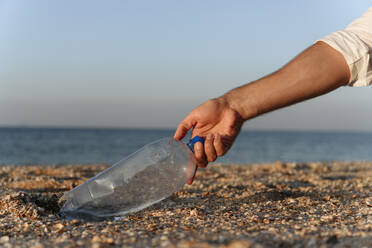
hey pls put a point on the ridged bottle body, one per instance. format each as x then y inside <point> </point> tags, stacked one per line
<point>136,182</point>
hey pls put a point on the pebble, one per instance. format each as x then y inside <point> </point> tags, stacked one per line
<point>368,201</point>
<point>58,228</point>
<point>4,239</point>
<point>240,244</point>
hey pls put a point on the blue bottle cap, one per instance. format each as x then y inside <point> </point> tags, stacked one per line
<point>193,141</point>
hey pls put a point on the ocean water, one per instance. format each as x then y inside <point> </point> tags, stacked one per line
<point>26,146</point>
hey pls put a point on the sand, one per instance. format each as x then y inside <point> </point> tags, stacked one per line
<point>258,205</point>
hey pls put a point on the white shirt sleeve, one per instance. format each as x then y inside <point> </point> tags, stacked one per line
<point>355,44</point>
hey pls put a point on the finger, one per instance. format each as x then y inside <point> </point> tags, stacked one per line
<point>182,129</point>
<point>210,151</point>
<point>200,155</point>
<point>191,180</point>
<point>218,145</point>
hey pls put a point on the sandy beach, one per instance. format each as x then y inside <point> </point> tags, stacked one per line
<point>257,205</point>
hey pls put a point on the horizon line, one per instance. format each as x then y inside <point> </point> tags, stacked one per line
<point>247,129</point>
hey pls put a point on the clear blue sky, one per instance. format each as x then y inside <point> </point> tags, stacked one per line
<point>148,63</point>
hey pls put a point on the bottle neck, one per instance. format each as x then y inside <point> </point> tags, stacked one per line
<point>193,141</point>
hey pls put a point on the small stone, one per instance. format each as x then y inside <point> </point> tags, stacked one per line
<point>58,228</point>
<point>108,240</point>
<point>37,244</point>
<point>298,227</point>
<point>4,239</point>
<point>80,243</point>
<point>327,198</point>
<point>62,238</point>
<point>96,245</point>
<point>240,244</point>
<point>194,212</point>
<point>311,242</point>
<point>75,222</point>
<point>368,201</point>
<point>96,239</point>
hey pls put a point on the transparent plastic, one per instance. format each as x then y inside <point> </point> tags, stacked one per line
<point>134,183</point>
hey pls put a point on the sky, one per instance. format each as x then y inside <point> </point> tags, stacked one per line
<point>147,64</point>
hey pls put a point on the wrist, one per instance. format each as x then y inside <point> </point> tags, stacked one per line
<point>244,106</point>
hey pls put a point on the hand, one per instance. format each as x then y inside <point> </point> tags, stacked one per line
<point>217,123</point>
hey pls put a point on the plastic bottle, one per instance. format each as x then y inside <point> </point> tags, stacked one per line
<point>134,183</point>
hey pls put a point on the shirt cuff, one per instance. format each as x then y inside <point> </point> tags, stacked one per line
<point>356,54</point>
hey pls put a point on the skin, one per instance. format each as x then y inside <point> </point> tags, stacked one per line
<point>316,71</point>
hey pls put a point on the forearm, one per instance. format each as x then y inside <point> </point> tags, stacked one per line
<point>316,71</point>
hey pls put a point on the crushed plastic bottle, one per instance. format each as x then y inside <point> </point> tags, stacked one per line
<point>143,178</point>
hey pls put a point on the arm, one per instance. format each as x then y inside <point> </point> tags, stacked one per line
<point>316,71</point>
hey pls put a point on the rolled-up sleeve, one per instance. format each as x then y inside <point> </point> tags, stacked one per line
<point>355,44</point>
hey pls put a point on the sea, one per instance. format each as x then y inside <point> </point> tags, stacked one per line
<point>46,146</point>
